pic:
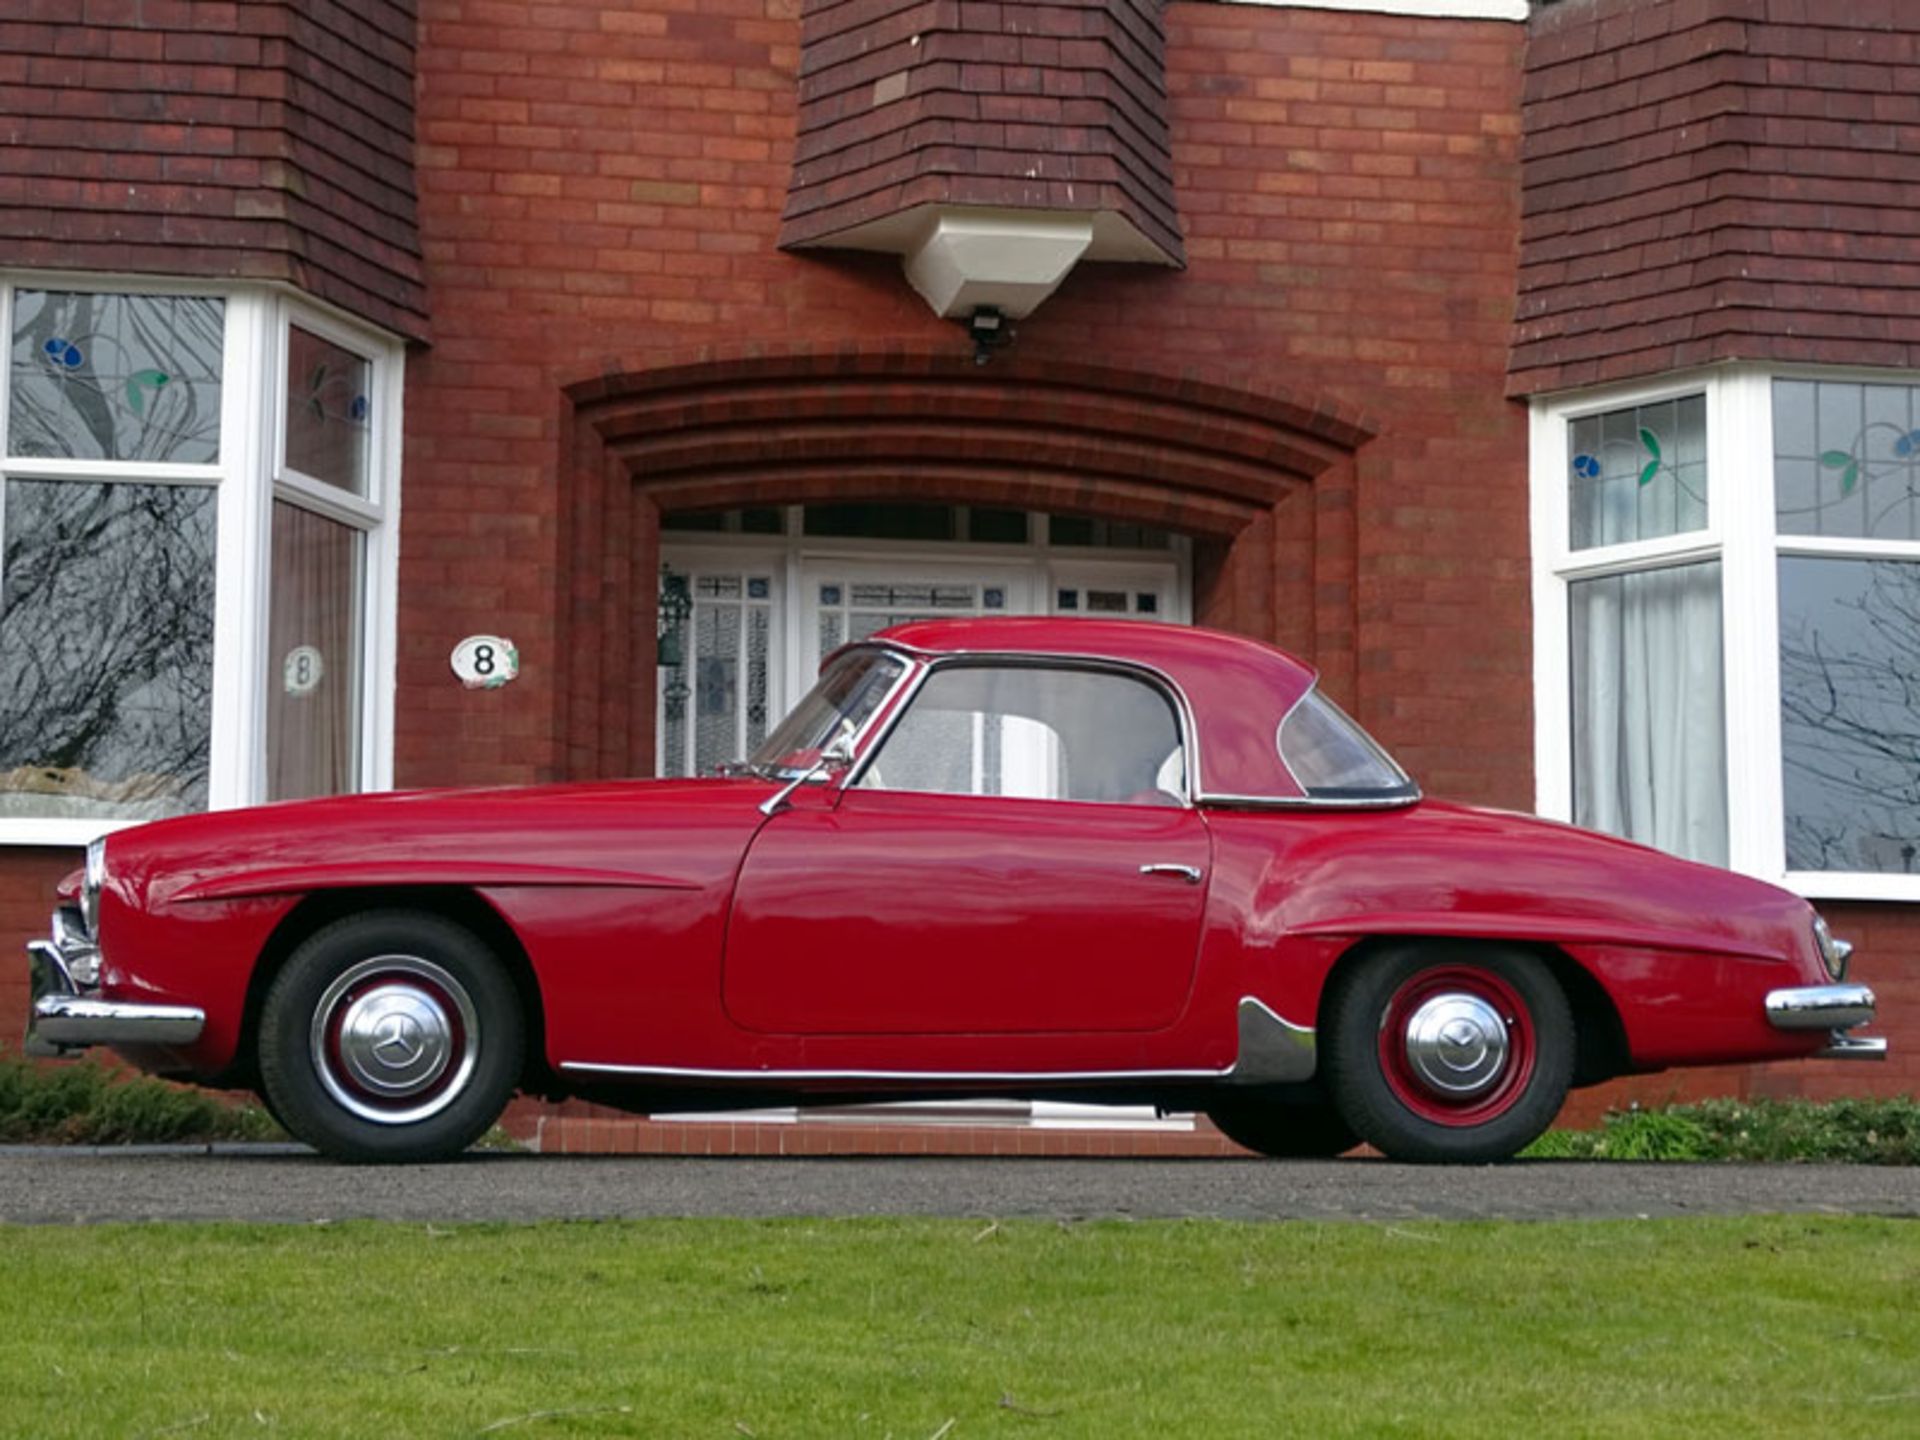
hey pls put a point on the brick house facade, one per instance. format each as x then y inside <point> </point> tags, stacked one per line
<point>639,260</point>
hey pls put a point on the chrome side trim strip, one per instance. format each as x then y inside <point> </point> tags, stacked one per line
<point>995,1077</point>
<point>1852,1047</point>
<point>1306,802</point>
<point>73,1021</point>
<point>1273,1050</point>
<point>1819,1007</point>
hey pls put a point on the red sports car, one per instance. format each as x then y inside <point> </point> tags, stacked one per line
<point>1073,859</point>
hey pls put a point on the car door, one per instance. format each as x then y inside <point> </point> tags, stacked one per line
<point>1017,856</point>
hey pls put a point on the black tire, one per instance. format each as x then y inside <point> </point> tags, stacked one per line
<point>1285,1130</point>
<point>1448,1052</point>
<point>395,1036</point>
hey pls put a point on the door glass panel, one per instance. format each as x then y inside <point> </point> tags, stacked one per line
<point>715,703</point>
<point>1032,733</point>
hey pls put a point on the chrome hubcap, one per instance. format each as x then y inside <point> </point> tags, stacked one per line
<point>1457,1044</point>
<point>395,1039</point>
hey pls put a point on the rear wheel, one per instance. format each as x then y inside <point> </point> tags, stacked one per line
<point>1284,1130</point>
<point>392,1036</point>
<point>1449,1052</point>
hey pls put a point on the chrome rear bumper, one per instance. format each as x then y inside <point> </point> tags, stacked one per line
<point>63,1018</point>
<point>1835,1008</point>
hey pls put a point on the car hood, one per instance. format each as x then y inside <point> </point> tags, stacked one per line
<point>668,834</point>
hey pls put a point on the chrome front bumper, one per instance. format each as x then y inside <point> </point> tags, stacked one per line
<point>64,1016</point>
<point>1834,1008</point>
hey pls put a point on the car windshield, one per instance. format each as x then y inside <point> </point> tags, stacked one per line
<point>849,690</point>
<point>1334,759</point>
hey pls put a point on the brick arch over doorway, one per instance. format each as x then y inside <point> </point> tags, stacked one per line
<point>1261,476</point>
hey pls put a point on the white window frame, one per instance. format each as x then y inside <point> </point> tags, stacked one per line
<point>1740,533</point>
<point>247,477</point>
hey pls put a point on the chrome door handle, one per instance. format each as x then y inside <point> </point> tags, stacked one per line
<point>1188,873</point>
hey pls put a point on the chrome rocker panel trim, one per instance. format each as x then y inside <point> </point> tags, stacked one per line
<point>1834,1008</point>
<point>955,1077</point>
<point>1272,1051</point>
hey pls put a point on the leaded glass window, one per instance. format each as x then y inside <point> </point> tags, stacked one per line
<point>115,377</point>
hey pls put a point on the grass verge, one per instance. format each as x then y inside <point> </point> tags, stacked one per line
<point>916,1329</point>
<point>1854,1132</point>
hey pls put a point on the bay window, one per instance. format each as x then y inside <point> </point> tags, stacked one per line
<point>1727,622</point>
<point>197,497</point>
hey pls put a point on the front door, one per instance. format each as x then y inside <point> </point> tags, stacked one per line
<point>1017,858</point>
<point>759,597</point>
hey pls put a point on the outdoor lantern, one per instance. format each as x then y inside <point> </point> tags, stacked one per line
<point>676,606</point>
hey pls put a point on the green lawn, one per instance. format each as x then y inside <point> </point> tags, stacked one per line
<point>915,1329</point>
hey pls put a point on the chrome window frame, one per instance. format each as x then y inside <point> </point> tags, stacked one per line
<point>927,664</point>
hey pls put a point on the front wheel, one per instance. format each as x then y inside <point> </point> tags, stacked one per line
<point>393,1036</point>
<point>1455,1053</point>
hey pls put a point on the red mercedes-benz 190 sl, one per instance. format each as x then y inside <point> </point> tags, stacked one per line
<point>1074,859</point>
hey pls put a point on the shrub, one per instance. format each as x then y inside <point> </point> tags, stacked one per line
<point>83,1103</point>
<point>1857,1132</point>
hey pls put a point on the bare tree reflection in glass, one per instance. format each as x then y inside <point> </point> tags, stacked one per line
<point>106,648</point>
<point>1850,713</point>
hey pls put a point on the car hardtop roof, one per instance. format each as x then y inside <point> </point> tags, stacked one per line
<point>1173,648</point>
<point>1237,690</point>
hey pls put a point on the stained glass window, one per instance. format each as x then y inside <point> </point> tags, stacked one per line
<point>329,411</point>
<point>1638,473</point>
<point>115,377</point>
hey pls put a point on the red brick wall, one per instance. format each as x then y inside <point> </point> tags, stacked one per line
<point>1717,179</point>
<point>27,878</point>
<point>266,140</point>
<point>1047,104</point>
<point>602,183</point>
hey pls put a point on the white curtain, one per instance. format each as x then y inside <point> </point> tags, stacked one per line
<point>1649,722</point>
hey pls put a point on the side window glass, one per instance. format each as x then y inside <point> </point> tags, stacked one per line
<point>1034,733</point>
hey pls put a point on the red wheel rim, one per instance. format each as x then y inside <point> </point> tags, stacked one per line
<point>1457,1045</point>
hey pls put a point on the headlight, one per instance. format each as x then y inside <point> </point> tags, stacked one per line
<point>96,876</point>
<point>1833,952</point>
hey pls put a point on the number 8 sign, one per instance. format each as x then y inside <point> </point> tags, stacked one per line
<point>485,662</point>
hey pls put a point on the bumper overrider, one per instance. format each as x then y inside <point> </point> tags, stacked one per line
<point>67,1012</point>
<point>1833,1008</point>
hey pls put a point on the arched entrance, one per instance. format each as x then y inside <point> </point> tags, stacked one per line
<point>1256,482</point>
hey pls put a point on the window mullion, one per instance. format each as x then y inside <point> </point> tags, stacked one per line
<point>236,770</point>
<point>1552,660</point>
<point>1743,495</point>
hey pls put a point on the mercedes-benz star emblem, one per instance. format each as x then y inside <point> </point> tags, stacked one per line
<point>397,1041</point>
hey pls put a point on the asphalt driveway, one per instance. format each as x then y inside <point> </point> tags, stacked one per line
<point>283,1184</point>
